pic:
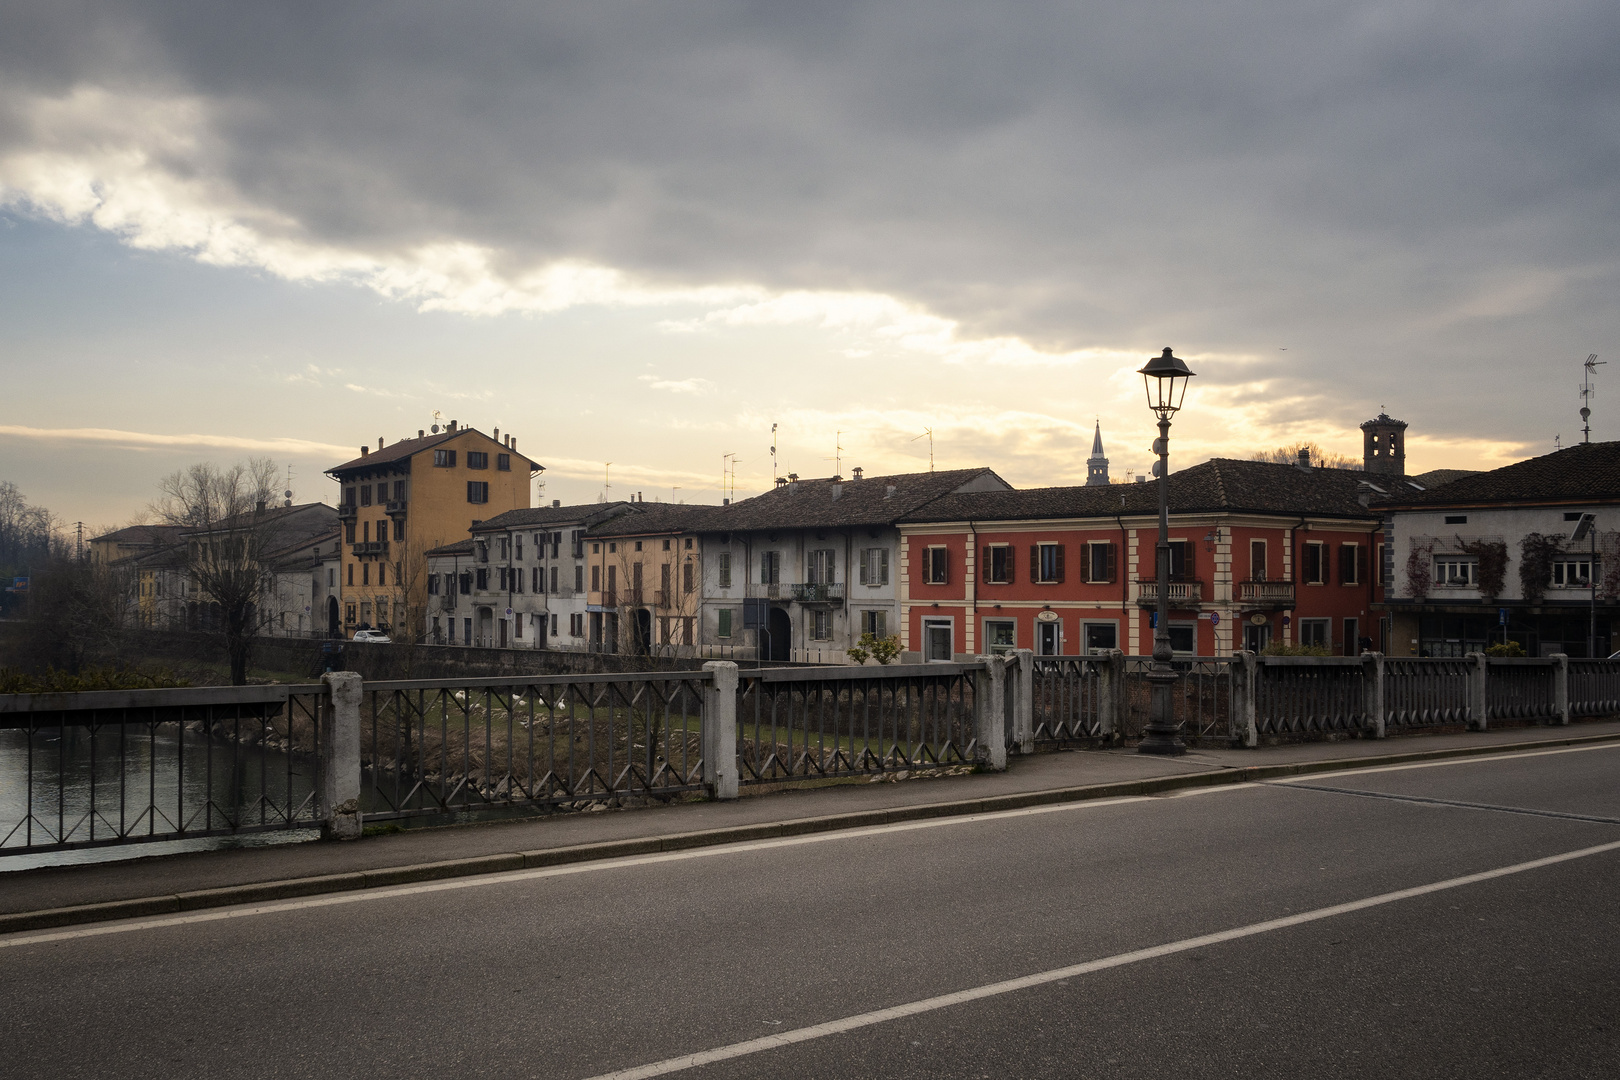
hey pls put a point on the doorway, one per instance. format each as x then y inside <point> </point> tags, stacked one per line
<point>1256,638</point>
<point>937,642</point>
<point>779,636</point>
<point>333,627</point>
<point>1048,638</point>
<point>642,645</point>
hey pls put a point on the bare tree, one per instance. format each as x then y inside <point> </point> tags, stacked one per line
<point>229,523</point>
<point>1289,455</point>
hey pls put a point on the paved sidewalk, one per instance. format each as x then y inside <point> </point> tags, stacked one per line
<point>397,857</point>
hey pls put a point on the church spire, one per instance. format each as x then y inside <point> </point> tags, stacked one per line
<point>1097,464</point>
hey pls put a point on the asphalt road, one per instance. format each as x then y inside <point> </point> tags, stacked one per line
<point>1314,969</point>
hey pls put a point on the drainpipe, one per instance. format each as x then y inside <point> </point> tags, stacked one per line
<point>970,589</point>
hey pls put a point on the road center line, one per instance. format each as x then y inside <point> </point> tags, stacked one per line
<point>1362,793</point>
<point>1472,759</point>
<point>386,893</point>
<point>978,993</point>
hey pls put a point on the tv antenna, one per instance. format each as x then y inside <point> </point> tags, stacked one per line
<point>1587,390</point>
<point>774,475</point>
<point>838,454</point>
<point>928,433</point>
<point>606,485</point>
<point>728,475</point>
<point>287,494</point>
<point>438,421</point>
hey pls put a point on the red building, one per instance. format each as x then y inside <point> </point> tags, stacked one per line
<point>1259,553</point>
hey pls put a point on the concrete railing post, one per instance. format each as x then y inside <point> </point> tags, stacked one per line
<point>340,756</point>
<point>720,730</point>
<point>1561,686</point>
<point>990,710</point>
<point>1244,730</point>
<point>1372,675</point>
<point>1478,700</point>
<point>1111,695</point>
<point>1023,691</point>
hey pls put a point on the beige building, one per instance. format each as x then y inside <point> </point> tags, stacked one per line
<point>399,502</point>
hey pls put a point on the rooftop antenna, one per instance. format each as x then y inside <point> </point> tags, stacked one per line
<point>606,486</point>
<point>838,453</point>
<point>1558,442</point>
<point>438,421</point>
<point>287,495</point>
<point>1587,390</point>
<point>774,474</point>
<point>928,433</point>
<point>78,543</point>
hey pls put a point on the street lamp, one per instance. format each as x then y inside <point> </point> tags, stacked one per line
<point>1165,379</point>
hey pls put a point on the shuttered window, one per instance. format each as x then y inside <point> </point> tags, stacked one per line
<point>998,564</point>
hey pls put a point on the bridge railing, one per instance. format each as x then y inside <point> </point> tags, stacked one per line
<point>107,767</point>
<point>813,723</point>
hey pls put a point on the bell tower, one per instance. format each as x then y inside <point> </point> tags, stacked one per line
<point>1383,445</point>
<point>1097,464</point>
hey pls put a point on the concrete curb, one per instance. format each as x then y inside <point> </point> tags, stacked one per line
<point>261,892</point>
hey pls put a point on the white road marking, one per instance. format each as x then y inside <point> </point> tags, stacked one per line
<point>385,893</point>
<point>1482,759</point>
<point>978,993</point>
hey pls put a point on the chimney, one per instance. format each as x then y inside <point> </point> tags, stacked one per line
<point>511,442</point>
<point>497,435</point>
<point>420,433</point>
<point>856,471</point>
<point>555,503</point>
<point>1305,458</point>
<point>261,506</point>
<point>781,481</point>
<point>379,442</point>
<point>364,450</point>
<point>725,502</point>
<point>451,426</point>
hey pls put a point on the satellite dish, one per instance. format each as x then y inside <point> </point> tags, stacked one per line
<point>286,494</point>
<point>435,429</point>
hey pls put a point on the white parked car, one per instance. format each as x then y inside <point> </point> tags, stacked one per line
<point>376,636</point>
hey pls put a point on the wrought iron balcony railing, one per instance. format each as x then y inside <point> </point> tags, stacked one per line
<point>374,547</point>
<point>828,593</point>
<point>396,508</point>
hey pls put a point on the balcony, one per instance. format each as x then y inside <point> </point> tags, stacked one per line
<point>375,547</point>
<point>1180,594</point>
<point>1265,594</point>
<point>770,590</point>
<point>830,593</point>
<point>395,508</point>
<point>347,511</point>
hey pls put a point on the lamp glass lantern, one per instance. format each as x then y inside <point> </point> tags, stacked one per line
<point>1165,379</point>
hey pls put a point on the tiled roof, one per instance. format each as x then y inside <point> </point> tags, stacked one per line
<point>830,504</point>
<point>1218,485</point>
<point>646,519</point>
<point>142,534</point>
<point>1435,477</point>
<point>529,516</point>
<point>407,447</point>
<point>460,547</point>
<point>1588,472</point>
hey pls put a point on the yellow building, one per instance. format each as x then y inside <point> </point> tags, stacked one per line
<point>400,501</point>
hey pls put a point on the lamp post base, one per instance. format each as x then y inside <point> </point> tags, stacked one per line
<point>1160,736</point>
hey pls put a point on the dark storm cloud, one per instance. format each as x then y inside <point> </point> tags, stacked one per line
<point>1404,194</point>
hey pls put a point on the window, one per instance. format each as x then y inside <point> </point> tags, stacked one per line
<point>444,459</point>
<point>596,549</point>
<point>351,573</point>
<point>348,614</point>
<point>723,569</point>
<point>875,623</point>
<point>1101,563</point>
<point>819,567</point>
<point>554,577</point>
<point>1316,633</point>
<point>478,491</point>
<point>663,581</point>
<point>482,582</point>
<point>365,495</point>
<point>466,631</point>
<point>579,579</point>
<point>466,584</point>
<point>723,626</point>
<point>503,462</point>
<point>1000,635</point>
<point>821,625</point>
<point>1349,564</point>
<point>638,545</point>
<point>517,625</point>
<point>348,532</point>
<point>482,547</point>
<point>365,573</point>
<point>399,530</point>
<point>1184,638</point>
<point>537,579</point>
<point>666,543</point>
<point>399,491</point>
<point>331,580</point>
<point>576,625</point>
<point>1257,560</point>
<point>1457,519</point>
<point>998,564</point>
<point>554,626</point>
<point>770,567</point>
<point>1456,571</point>
<point>433,584</point>
<point>1096,637</point>
<point>517,542</point>
<point>452,623</point>
<point>936,566</point>
<point>686,577</point>
<point>1570,573</point>
<point>505,548</point>
<point>1315,569</point>
<point>477,459</point>
<point>1382,553</point>
<point>596,579</point>
<point>937,641</point>
<point>1181,560</point>
<point>688,544</point>
<point>348,498</point>
<point>874,566</point>
<point>1046,563</point>
<point>382,493</point>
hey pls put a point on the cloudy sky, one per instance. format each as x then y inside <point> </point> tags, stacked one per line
<point>643,233</point>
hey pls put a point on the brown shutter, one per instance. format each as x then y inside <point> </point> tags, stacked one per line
<point>1034,562</point>
<point>1362,552</point>
<point>944,566</point>
<point>1085,563</point>
<point>1113,562</point>
<point>1060,548</point>
<point>1012,550</point>
<point>985,567</point>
